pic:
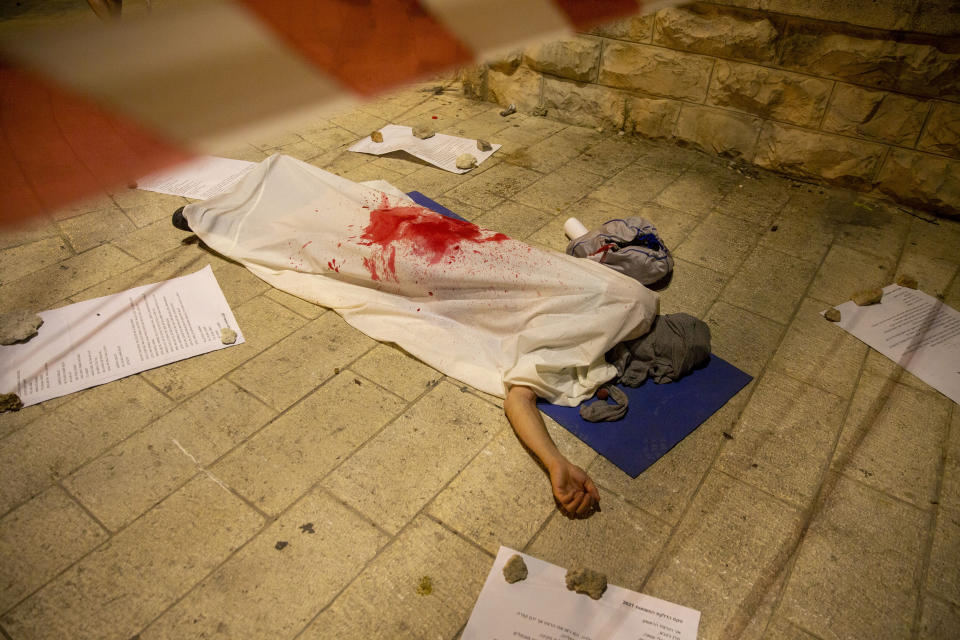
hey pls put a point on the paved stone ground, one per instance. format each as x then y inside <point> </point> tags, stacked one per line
<point>822,502</point>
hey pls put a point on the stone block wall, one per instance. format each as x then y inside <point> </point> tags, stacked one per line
<point>861,93</point>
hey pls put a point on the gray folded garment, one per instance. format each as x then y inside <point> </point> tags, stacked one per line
<point>675,345</point>
<point>602,410</point>
<point>631,246</point>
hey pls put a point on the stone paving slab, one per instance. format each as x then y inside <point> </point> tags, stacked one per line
<point>821,502</point>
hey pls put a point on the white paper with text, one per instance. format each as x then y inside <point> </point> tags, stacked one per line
<point>915,330</point>
<point>439,150</point>
<point>542,608</point>
<point>90,343</point>
<point>200,179</point>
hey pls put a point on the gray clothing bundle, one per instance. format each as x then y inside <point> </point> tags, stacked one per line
<point>630,246</point>
<point>675,345</point>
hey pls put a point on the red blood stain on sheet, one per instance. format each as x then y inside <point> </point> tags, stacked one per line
<point>305,244</point>
<point>333,265</point>
<point>426,234</point>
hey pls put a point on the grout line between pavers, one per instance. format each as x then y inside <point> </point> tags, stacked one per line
<point>268,519</point>
<point>423,512</point>
<point>66,568</point>
<point>767,365</point>
<point>392,539</point>
<point>267,523</point>
<point>83,507</point>
<point>935,514</point>
<point>828,477</point>
<point>662,556</point>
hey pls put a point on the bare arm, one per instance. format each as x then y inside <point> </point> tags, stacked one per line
<point>572,487</point>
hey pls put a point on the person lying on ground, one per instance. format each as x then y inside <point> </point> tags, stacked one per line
<point>505,317</point>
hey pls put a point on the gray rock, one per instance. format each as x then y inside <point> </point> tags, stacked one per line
<point>466,161</point>
<point>833,315</point>
<point>483,145</point>
<point>867,297</point>
<point>587,581</point>
<point>227,335</point>
<point>515,570</point>
<point>18,326</point>
<point>423,132</point>
<point>12,402</point>
<point>905,280</point>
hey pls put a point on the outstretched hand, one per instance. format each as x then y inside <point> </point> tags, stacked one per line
<point>573,489</point>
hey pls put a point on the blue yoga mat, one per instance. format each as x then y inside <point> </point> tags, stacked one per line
<point>659,415</point>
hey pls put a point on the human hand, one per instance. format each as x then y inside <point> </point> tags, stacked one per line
<point>574,490</point>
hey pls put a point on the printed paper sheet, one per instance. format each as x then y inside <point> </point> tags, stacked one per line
<point>202,178</point>
<point>913,329</point>
<point>439,150</point>
<point>90,343</point>
<point>542,607</point>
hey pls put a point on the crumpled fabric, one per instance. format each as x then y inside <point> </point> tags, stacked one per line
<point>631,246</point>
<point>676,344</point>
<point>474,304</point>
<point>614,408</point>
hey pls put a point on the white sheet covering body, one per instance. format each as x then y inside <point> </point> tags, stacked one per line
<point>474,304</point>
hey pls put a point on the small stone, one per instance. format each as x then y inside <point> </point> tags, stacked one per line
<point>425,587</point>
<point>423,132</point>
<point>281,545</point>
<point>867,297</point>
<point>832,314</point>
<point>10,402</point>
<point>587,581</point>
<point>603,394</point>
<point>509,110</point>
<point>515,570</point>
<point>483,145</point>
<point>376,136</point>
<point>599,129</point>
<point>621,133</point>
<point>466,161</point>
<point>907,281</point>
<point>540,112</point>
<point>228,335</point>
<point>18,326</point>
<point>774,228</point>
